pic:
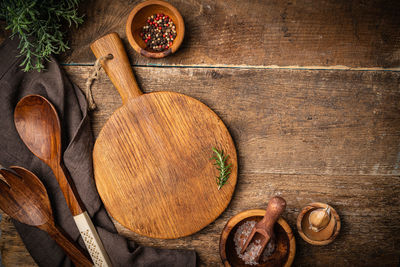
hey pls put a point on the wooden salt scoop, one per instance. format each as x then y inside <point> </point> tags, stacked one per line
<point>265,227</point>
<point>39,127</point>
<point>24,198</point>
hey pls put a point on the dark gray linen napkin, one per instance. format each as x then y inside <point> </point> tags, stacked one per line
<point>77,146</point>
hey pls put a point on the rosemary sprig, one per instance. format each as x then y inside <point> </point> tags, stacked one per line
<point>224,170</point>
<point>39,27</point>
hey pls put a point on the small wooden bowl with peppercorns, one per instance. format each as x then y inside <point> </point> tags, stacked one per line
<point>155,29</point>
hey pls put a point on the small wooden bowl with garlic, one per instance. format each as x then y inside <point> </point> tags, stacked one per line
<point>318,224</point>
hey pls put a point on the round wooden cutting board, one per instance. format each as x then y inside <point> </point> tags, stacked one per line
<point>152,159</point>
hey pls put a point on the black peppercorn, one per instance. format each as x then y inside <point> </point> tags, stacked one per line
<point>159,32</point>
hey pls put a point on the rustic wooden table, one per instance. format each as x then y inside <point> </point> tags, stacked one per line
<point>310,91</point>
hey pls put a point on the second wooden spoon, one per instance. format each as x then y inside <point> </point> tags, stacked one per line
<point>24,198</point>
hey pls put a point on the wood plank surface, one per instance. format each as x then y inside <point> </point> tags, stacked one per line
<point>263,33</point>
<point>13,251</point>
<point>329,136</point>
<point>368,236</point>
<point>368,207</point>
<point>308,135</point>
<point>286,121</point>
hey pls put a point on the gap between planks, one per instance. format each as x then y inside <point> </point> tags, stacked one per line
<point>247,67</point>
<point>320,174</point>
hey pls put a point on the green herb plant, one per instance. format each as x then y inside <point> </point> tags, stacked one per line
<point>224,170</point>
<point>38,24</point>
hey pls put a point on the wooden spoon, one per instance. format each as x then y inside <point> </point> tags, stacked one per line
<point>39,127</point>
<point>25,199</point>
<point>265,227</point>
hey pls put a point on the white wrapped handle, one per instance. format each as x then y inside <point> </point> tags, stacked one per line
<point>92,240</point>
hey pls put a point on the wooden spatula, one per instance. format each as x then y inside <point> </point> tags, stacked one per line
<point>265,227</point>
<point>25,199</point>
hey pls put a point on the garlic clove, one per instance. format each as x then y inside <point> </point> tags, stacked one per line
<point>319,219</point>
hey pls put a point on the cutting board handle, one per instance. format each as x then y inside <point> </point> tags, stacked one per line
<point>118,68</point>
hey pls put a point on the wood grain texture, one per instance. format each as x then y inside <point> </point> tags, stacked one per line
<point>24,198</point>
<point>368,236</point>
<point>13,252</point>
<point>117,68</point>
<point>338,133</point>
<point>287,121</point>
<point>327,136</point>
<point>153,171</point>
<point>368,206</point>
<point>38,125</point>
<point>263,33</point>
<point>152,159</point>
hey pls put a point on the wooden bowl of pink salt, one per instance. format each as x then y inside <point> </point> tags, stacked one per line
<point>280,252</point>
